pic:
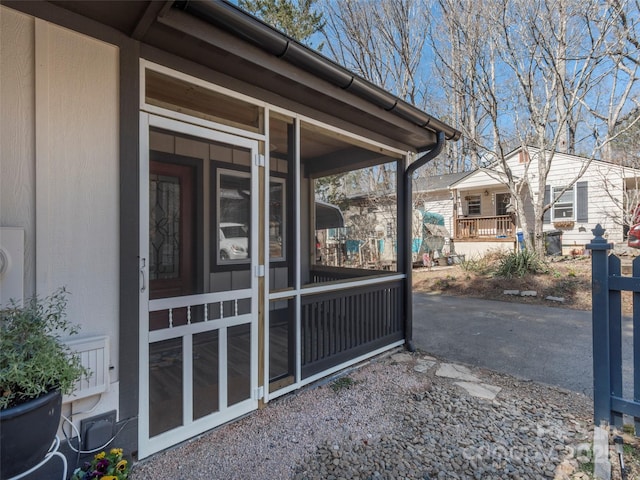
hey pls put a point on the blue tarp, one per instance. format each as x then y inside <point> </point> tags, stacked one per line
<point>353,246</point>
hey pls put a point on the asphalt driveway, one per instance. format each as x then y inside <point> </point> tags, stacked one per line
<point>545,344</point>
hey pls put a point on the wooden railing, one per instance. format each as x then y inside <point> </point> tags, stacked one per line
<point>499,226</point>
<point>341,325</point>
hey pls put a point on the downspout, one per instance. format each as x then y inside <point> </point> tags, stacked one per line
<point>408,217</point>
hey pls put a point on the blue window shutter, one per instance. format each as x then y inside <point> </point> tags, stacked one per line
<point>547,199</point>
<point>582,202</point>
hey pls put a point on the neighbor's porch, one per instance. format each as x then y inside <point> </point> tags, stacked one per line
<point>484,227</point>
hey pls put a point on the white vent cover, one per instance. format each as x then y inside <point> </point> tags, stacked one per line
<point>94,355</point>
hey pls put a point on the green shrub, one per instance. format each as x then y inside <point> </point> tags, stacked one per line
<point>518,264</point>
<point>33,361</point>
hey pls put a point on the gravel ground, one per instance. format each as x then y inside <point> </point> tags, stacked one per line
<point>394,422</point>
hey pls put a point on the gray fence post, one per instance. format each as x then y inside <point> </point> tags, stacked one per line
<point>600,325</point>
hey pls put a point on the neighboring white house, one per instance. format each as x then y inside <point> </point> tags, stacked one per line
<point>478,208</point>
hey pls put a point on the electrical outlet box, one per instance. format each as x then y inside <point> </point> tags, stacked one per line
<point>97,430</point>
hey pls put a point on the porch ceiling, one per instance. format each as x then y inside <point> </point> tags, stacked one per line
<point>282,82</point>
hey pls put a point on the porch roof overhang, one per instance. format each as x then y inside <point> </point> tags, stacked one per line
<point>238,46</point>
<point>480,179</point>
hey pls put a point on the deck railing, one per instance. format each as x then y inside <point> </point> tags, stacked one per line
<point>340,325</point>
<point>498,226</point>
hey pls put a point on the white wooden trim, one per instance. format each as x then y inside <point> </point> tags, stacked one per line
<point>297,267</point>
<point>143,291</point>
<point>267,259</point>
<point>333,287</point>
<point>187,379</point>
<point>172,437</point>
<point>190,427</point>
<point>146,64</point>
<point>201,122</point>
<point>350,284</point>
<point>344,285</point>
<point>202,132</point>
<point>195,328</point>
<point>283,294</point>
<point>185,301</point>
<point>223,370</point>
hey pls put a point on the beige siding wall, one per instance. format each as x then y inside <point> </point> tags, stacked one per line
<point>605,183</point>
<point>17,133</point>
<point>59,151</point>
<point>77,175</point>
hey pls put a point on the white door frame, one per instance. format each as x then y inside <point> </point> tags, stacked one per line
<point>190,428</point>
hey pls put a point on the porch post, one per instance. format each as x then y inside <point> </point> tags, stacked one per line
<point>600,325</point>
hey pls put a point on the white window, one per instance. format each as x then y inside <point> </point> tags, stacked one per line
<point>564,206</point>
<point>473,205</point>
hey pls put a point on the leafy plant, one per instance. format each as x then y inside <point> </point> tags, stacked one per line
<point>104,466</point>
<point>588,466</point>
<point>518,264</point>
<point>342,383</point>
<point>478,265</point>
<point>33,361</point>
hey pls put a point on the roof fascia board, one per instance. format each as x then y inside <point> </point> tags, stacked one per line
<point>278,44</point>
<point>286,105</point>
<point>228,42</point>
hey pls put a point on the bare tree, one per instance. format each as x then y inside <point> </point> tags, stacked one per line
<point>382,41</point>
<point>538,66</point>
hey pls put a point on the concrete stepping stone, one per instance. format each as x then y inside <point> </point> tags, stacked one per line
<point>401,357</point>
<point>423,365</point>
<point>457,372</point>
<point>480,390</point>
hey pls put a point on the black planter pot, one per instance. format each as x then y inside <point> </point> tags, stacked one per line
<point>27,432</point>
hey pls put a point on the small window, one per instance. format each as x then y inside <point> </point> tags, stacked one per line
<point>563,208</point>
<point>277,212</point>
<point>473,205</point>
<point>234,216</point>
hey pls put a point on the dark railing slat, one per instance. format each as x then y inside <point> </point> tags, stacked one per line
<point>636,342</point>
<point>615,338</point>
<point>345,324</point>
<point>627,407</point>
<point>629,284</point>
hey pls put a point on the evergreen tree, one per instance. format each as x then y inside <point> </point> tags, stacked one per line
<point>296,18</point>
